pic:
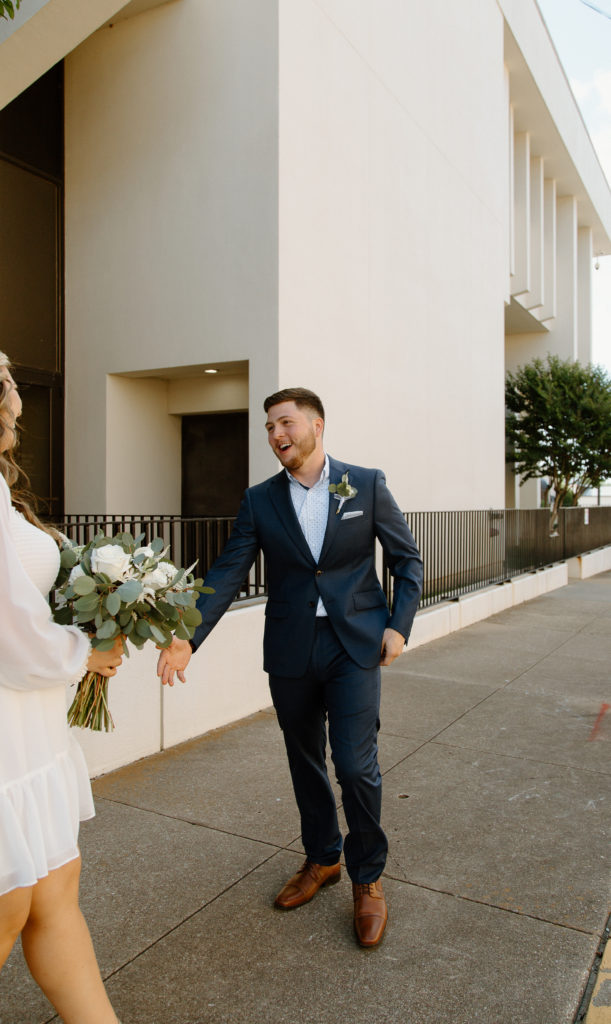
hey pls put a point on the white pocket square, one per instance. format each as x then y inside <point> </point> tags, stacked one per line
<point>352,515</point>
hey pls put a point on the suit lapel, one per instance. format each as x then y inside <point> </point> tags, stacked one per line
<point>280,497</point>
<point>333,519</point>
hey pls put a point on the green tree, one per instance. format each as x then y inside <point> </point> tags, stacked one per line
<point>559,425</point>
<point>8,8</point>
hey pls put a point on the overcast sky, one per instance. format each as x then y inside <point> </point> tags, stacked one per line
<point>582,37</point>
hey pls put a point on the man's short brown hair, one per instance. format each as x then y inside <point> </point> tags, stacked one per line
<point>300,396</point>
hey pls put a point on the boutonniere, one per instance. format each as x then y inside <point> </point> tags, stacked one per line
<point>343,492</point>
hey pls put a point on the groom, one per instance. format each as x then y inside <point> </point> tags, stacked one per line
<point>327,632</point>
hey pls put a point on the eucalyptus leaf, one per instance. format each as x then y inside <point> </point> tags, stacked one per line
<point>128,626</point>
<point>143,629</point>
<point>113,603</point>
<point>85,616</point>
<point>182,632</point>
<point>105,645</point>
<point>167,610</point>
<point>63,616</point>
<point>83,585</point>
<point>158,634</point>
<point>88,603</point>
<point>108,629</point>
<point>98,619</point>
<point>157,544</point>
<point>192,617</point>
<point>68,558</point>
<point>129,591</point>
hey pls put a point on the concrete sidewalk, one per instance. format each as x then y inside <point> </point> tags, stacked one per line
<point>497,795</point>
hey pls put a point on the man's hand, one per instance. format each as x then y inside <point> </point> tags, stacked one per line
<point>392,646</point>
<point>174,659</point>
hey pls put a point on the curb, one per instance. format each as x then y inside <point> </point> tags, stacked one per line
<point>599,1009</point>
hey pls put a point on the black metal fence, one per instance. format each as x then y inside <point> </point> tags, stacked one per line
<point>461,551</point>
<point>188,539</point>
<point>466,551</point>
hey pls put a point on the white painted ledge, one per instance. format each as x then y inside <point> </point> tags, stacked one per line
<point>590,564</point>
<point>431,624</point>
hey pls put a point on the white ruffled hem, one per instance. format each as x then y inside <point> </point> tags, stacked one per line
<point>39,819</point>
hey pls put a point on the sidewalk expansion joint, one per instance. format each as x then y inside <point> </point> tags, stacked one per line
<point>189,917</point>
<point>492,906</point>
<point>195,824</point>
<point>518,757</point>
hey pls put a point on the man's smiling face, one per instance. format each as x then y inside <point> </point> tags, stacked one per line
<point>294,433</point>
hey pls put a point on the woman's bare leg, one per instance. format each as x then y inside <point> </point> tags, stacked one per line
<point>14,912</point>
<point>59,952</point>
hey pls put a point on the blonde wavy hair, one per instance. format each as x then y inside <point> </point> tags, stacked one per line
<point>15,476</point>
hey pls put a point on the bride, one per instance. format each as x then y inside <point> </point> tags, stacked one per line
<point>44,785</point>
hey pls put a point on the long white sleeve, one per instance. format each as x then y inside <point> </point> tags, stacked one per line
<point>35,652</point>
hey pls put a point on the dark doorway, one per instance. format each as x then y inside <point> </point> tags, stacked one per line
<point>214,463</point>
<point>31,276</point>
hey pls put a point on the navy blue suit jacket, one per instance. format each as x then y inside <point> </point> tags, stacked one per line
<point>345,576</point>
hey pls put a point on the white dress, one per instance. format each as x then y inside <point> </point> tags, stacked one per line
<point>44,784</point>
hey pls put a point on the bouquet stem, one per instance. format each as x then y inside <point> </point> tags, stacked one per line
<point>89,709</point>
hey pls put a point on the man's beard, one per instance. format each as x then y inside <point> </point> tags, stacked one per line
<point>299,452</point>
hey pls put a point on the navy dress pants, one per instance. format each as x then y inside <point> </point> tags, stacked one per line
<point>336,689</point>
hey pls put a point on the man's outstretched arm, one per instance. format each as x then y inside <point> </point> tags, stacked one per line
<point>174,660</point>
<point>226,577</point>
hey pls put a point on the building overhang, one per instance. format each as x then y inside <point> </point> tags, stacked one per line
<point>43,32</point>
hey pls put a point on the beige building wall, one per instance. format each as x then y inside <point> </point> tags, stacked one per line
<point>392,232</point>
<point>171,231</point>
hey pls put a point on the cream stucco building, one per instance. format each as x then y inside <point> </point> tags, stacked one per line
<point>390,203</point>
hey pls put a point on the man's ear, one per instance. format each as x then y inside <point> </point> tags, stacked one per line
<point>319,426</point>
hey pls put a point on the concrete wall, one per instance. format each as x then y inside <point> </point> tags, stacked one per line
<point>225,681</point>
<point>353,241</point>
<point>392,225</point>
<point>171,222</point>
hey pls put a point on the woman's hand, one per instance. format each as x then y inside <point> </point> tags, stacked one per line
<point>105,663</point>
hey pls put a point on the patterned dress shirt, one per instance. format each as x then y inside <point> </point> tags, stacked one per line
<point>311,506</point>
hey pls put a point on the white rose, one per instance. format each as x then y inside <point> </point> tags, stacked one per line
<point>75,573</point>
<point>155,579</point>
<point>145,551</point>
<point>112,560</point>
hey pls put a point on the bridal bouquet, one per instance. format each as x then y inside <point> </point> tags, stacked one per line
<point>114,587</point>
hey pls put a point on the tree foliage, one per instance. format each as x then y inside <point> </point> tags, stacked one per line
<point>559,425</point>
<point>8,8</point>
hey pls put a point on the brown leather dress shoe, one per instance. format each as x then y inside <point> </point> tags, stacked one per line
<point>370,912</point>
<point>306,883</point>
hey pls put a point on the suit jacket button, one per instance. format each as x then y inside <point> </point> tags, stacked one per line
<point>319,572</point>
<point>311,604</point>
